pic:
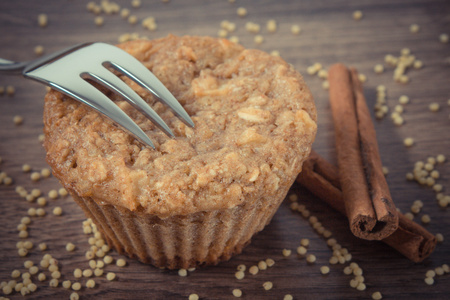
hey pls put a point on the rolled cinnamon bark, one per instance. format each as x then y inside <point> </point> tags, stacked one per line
<point>321,179</point>
<point>369,206</point>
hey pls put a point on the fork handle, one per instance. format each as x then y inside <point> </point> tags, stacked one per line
<point>11,67</point>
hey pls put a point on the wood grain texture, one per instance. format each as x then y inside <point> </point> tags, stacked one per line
<point>329,35</point>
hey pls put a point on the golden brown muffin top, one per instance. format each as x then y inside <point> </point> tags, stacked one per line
<point>255,121</point>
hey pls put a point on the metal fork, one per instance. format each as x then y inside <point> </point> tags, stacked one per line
<point>67,71</point>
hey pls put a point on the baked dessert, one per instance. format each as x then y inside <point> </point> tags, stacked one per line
<point>199,198</point>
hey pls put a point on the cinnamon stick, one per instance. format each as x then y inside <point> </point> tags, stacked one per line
<point>321,179</point>
<point>368,203</point>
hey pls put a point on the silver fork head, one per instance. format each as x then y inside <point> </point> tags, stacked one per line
<point>68,73</point>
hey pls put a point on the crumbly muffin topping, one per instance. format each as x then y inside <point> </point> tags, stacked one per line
<point>254,117</point>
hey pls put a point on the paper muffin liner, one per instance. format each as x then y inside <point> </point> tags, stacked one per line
<point>203,238</point>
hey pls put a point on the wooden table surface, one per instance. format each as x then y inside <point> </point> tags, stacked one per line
<point>329,35</point>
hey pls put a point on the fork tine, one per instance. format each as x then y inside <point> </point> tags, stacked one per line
<point>92,97</point>
<point>142,76</point>
<point>111,81</point>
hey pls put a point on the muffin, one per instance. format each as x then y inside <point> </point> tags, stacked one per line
<point>199,197</point>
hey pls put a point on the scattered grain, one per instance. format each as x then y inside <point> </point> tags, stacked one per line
<point>136,3</point>
<point>39,50</point>
<point>54,282</point>
<point>108,259</point>
<point>241,11</point>
<point>362,77</point>
<point>286,252</point>
<point>149,23</point>
<point>439,271</point>
<point>239,275</point>
<point>295,29</point>
<point>10,90</point>
<point>46,172</point>
<point>42,246</point>
<point>378,68</point>
<point>41,137</point>
<point>357,271</point>
<point>40,212</point>
<point>430,273</point>
<point>429,280</point>
<point>87,273</point>
<point>234,39</point>
<point>18,286</point>
<point>304,242</point>
<point>125,13</point>
<point>42,20</point>
<point>418,64</point>
<point>35,176</point>
<point>443,38</point>
<point>121,262</point>
<point>357,15</point>
<point>18,120</point>
<point>77,273</point>
<point>253,270</point>
<point>408,142</point>
<point>7,290</point>
<point>24,291</point>
<point>67,284</point>
<point>193,297</point>
<point>324,270</point>
<point>348,270</point>
<point>414,28</point>
<point>74,296</point>
<point>99,21</point>
<point>32,287</point>
<point>271,25</point>
<point>258,39</point>
<point>237,293</point>
<point>311,258</point>
<point>438,188</point>
<point>434,107</point>
<point>23,234</point>
<point>41,201</point>
<point>76,286</point>
<point>262,265</point>
<point>403,99</point>
<point>132,19</point>
<point>270,262</point>
<point>268,285</point>
<point>301,250</point>
<point>33,270</point>
<point>377,296</point>
<point>98,272</point>
<point>110,276</point>
<point>15,274</point>
<point>57,211</point>
<point>53,194</point>
<point>252,27</point>
<point>440,158</point>
<point>361,286</point>
<point>69,247</point>
<point>90,283</point>
<point>56,274</point>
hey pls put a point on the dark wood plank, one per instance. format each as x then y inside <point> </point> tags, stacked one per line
<point>329,35</point>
